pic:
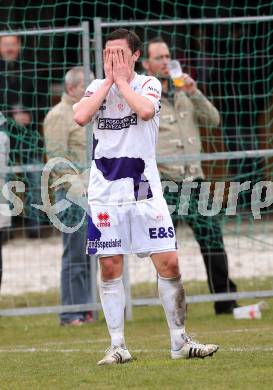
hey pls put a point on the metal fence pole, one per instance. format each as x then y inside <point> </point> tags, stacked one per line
<point>89,147</point>
<point>42,31</point>
<point>177,22</point>
<point>87,70</point>
<point>98,47</point>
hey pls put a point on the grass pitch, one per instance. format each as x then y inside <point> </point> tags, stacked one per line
<point>36,353</point>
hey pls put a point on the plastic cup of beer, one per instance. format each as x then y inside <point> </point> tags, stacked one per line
<point>176,73</point>
<point>247,312</point>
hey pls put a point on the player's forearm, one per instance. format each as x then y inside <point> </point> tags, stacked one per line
<point>139,104</point>
<point>87,107</point>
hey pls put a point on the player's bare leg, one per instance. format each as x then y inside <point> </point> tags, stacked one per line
<point>112,297</point>
<point>172,296</point>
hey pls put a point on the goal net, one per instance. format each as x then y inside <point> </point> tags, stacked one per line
<point>228,51</point>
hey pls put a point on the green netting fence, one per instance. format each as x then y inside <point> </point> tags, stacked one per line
<point>226,46</point>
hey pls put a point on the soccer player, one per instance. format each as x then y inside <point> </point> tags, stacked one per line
<point>128,213</point>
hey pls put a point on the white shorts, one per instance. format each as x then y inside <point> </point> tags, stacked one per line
<point>143,228</point>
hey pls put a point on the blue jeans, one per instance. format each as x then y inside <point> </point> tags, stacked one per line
<point>75,272</point>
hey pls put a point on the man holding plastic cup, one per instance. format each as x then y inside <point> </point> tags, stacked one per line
<point>183,110</point>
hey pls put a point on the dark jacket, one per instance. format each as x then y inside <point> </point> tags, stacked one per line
<point>16,87</point>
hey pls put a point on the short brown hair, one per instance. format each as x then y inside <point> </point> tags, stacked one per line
<point>150,42</point>
<point>130,36</point>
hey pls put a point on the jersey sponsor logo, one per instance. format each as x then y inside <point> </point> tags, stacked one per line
<point>94,244</point>
<point>117,123</point>
<point>103,220</point>
<point>161,232</point>
<point>153,89</point>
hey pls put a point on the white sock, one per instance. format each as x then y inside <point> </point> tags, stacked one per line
<point>172,296</point>
<point>112,298</point>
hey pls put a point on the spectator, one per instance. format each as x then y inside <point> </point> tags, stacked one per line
<point>64,138</point>
<point>4,154</point>
<point>182,112</point>
<point>242,90</point>
<point>15,84</point>
<point>18,100</point>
